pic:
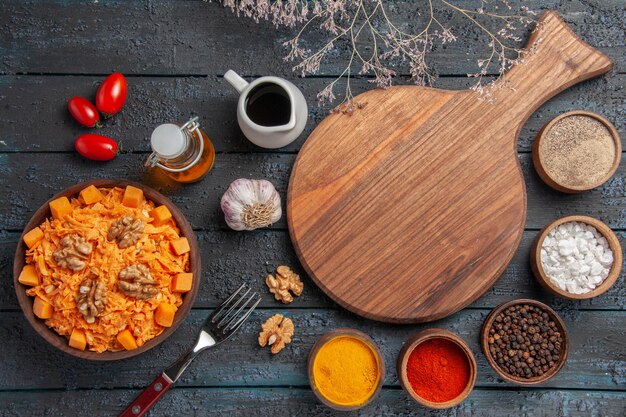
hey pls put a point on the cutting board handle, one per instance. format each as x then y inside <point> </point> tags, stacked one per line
<point>557,59</point>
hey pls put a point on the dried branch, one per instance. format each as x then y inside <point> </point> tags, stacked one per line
<point>366,25</point>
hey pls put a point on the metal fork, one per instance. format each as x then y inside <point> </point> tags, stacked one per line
<point>221,324</point>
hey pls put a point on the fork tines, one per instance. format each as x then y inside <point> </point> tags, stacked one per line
<point>235,310</point>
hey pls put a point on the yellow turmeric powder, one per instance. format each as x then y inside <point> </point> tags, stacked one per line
<point>346,371</point>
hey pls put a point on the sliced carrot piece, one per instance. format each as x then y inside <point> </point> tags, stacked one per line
<point>182,282</point>
<point>180,246</point>
<point>42,309</point>
<point>127,340</point>
<point>160,215</point>
<point>29,276</point>
<point>78,340</point>
<point>60,207</point>
<point>91,195</point>
<point>133,197</point>
<point>164,314</point>
<point>33,237</point>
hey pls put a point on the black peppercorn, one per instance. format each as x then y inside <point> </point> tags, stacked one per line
<point>525,341</point>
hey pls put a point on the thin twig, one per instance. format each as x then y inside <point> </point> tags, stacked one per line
<point>349,21</point>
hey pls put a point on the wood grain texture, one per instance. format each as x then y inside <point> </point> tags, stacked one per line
<point>200,38</point>
<point>422,189</point>
<point>61,342</point>
<point>28,180</point>
<point>154,100</point>
<point>175,71</point>
<point>296,401</point>
<point>597,359</point>
<point>221,252</point>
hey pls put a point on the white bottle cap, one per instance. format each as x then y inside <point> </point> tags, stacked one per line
<point>168,140</point>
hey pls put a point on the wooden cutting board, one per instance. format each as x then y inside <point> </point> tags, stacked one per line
<point>411,208</point>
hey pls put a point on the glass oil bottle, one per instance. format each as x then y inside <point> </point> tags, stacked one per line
<point>184,153</point>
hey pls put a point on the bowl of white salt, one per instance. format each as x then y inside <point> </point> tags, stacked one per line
<point>576,257</point>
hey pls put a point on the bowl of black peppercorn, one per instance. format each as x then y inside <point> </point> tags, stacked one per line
<point>525,341</point>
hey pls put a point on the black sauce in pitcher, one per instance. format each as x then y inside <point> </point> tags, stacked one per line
<point>268,105</point>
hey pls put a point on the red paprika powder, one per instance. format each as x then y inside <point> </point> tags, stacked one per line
<point>438,370</point>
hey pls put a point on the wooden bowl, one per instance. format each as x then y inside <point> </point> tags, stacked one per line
<point>484,341</point>
<point>343,332</point>
<point>614,273</point>
<point>575,189</point>
<point>61,342</point>
<point>403,358</point>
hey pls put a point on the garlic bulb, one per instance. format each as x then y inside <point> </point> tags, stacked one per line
<point>250,204</point>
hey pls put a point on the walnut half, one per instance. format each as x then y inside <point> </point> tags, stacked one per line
<point>91,298</point>
<point>73,253</point>
<point>136,281</point>
<point>286,280</point>
<point>276,332</point>
<point>126,231</point>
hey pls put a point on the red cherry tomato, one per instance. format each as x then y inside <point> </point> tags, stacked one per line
<point>84,111</point>
<point>111,94</point>
<point>96,147</point>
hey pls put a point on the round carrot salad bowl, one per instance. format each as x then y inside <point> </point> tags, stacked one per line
<point>106,269</point>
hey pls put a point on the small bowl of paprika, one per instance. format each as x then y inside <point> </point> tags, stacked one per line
<point>437,368</point>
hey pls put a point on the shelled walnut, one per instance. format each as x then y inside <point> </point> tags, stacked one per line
<point>91,298</point>
<point>73,253</point>
<point>136,281</point>
<point>285,281</point>
<point>126,231</point>
<point>276,332</point>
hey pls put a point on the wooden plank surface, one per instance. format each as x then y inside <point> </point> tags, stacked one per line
<point>194,37</point>
<point>436,199</point>
<point>596,360</point>
<point>28,180</point>
<point>223,264</point>
<point>155,100</point>
<point>201,402</point>
<point>175,54</point>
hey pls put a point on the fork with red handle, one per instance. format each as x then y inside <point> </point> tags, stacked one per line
<point>219,326</point>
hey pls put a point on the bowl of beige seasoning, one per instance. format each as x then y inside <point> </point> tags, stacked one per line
<point>577,151</point>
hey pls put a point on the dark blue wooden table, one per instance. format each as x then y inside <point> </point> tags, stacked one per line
<point>174,54</point>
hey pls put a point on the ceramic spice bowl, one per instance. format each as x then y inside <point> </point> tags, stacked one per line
<point>552,316</point>
<point>447,340</point>
<point>569,142</point>
<point>343,356</point>
<point>604,230</point>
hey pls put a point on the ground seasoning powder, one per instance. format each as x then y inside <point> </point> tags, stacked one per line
<point>577,151</point>
<point>346,371</point>
<point>438,370</point>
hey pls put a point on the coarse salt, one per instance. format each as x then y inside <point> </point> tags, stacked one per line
<point>576,257</point>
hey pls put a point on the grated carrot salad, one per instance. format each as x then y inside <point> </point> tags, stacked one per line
<point>59,286</point>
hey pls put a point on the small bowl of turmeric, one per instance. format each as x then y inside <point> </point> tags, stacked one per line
<point>437,368</point>
<point>346,369</point>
